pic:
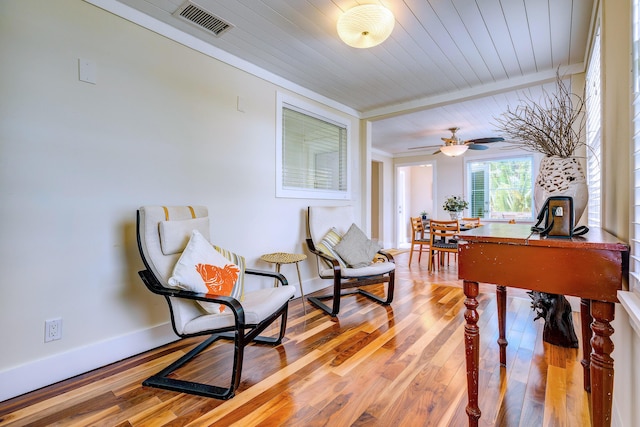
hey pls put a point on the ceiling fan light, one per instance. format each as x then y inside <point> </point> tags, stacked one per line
<point>454,150</point>
<point>366,25</point>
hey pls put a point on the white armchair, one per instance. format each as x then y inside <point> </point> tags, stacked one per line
<point>166,239</point>
<point>348,264</point>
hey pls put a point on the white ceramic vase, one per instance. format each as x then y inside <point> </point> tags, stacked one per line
<point>455,215</point>
<point>562,177</point>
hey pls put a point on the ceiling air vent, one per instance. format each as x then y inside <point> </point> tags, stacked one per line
<point>196,15</point>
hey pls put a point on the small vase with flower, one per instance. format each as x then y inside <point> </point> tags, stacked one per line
<point>455,205</point>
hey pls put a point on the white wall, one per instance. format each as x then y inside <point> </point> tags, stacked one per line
<point>77,160</point>
<point>421,190</point>
<point>617,194</point>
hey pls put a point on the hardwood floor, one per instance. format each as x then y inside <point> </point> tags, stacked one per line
<point>372,366</point>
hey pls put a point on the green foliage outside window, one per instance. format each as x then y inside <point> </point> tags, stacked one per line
<point>501,189</point>
<point>510,184</point>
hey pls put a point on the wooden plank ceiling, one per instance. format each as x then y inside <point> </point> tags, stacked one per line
<point>447,63</point>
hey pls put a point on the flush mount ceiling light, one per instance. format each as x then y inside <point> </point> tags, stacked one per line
<point>366,25</point>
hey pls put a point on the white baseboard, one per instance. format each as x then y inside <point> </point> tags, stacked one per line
<point>34,375</point>
<point>312,285</point>
<point>37,374</point>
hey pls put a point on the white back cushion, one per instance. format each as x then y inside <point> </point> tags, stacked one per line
<point>323,218</point>
<point>161,265</point>
<point>174,235</point>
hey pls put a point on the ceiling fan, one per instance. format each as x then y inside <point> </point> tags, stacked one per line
<point>454,146</point>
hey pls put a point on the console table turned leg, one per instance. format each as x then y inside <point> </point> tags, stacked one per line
<point>501,297</point>
<point>601,362</point>
<point>585,321</point>
<point>472,350</point>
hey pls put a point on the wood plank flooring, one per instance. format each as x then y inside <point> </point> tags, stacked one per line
<point>371,366</point>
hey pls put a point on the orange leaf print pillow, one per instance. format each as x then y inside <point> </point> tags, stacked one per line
<point>209,270</point>
<point>218,280</point>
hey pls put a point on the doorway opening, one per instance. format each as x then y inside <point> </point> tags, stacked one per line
<point>414,192</point>
<point>376,202</point>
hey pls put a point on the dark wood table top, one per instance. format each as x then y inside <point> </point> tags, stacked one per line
<point>521,234</point>
<point>593,266</point>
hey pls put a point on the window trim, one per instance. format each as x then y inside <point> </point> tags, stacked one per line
<point>311,110</point>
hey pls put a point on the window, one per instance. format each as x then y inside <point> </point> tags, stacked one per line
<point>312,152</point>
<point>501,188</point>
<point>634,268</point>
<point>593,137</point>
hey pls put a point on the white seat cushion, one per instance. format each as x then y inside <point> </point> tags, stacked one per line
<point>257,305</point>
<point>375,269</point>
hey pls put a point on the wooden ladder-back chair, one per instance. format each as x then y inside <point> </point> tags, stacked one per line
<point>442,240</point>
<point>418,238</point>
<point>164,235</point>
<point>327,227</point>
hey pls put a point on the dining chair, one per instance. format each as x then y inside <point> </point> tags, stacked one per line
<point>442,240</point>
<point>418,238</point>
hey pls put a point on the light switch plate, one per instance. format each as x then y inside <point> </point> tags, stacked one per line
<point>87,70</point>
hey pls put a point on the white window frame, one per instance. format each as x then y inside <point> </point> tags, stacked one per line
<point>468,181</point>
<point>634,268</point>
<point>285,101</point>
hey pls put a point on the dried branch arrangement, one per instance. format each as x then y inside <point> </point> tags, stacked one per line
<point>553,126</point>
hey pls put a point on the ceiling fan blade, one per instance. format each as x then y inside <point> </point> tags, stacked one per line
<point>436,152</point>
<point>477,147</point>
<point>423,147</point>
<point>485,140</point>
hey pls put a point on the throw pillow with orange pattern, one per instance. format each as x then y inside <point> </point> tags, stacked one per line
<point>202,268</point>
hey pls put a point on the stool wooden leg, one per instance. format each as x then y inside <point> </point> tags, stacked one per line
<point>304,306</point>
<point>275,281</point>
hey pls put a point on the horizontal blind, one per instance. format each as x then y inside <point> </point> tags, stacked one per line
<point>634,267</point>
<point>314,152</point>
<point>593,137</point>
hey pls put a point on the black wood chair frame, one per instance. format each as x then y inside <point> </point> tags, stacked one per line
<point>242,334</point>
<point>340,283</point>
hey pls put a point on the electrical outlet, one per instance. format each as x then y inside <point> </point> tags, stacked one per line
<point>53,329</point>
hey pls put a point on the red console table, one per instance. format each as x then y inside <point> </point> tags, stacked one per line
<point>592,267</point>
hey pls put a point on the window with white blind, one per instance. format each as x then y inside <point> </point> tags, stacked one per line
<point>501,188</point>
<point>635,220</point>
<point>312,152</point>
<point>593,136</point>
